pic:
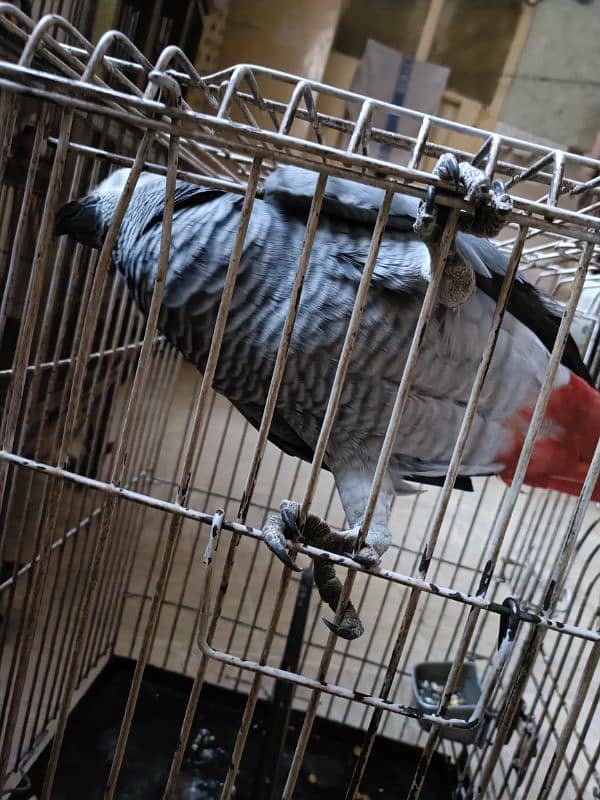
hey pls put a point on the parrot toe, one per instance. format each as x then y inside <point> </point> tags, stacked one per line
<point>280,528</point>
<point>491,212</point>
<point>448,170</point>
<point>427,225</point>
<point>350,626</point>
<point>317,532</point>
<point>290,514</point>
<point>330,589</point>
<point>274,535</point>
<point>491,202</point>
<point>474,183</point>
<point>500,201</point>
<point>367,557</point>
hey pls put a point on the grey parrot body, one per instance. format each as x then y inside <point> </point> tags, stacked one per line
<point>203,233</point>
<point>204,226</point>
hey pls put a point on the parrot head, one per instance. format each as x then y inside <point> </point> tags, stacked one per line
<point>87,219</point>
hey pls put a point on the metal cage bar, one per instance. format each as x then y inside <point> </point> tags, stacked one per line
<point>110,355</point>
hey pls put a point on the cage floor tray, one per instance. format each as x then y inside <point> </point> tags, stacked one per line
<point>326,769</point>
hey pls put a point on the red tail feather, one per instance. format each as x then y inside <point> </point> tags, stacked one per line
<point>566,443</point>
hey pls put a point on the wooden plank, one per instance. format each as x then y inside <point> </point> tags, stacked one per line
<point>458,108</point>
<point>105,18</point>
<point>489,117</point>
<point>211,41</point>
<point>339,72</point>
<point>429,29</point>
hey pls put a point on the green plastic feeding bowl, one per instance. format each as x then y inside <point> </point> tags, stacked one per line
<point>428,681</point>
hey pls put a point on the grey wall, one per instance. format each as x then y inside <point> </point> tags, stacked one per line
<point>563,48</point>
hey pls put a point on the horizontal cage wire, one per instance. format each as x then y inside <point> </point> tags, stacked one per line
<point>122,469</point>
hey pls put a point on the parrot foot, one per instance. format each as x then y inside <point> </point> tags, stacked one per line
<point>367,557</point>
<point>491,208</point>
<point>279,529</point>
<point>492,203</point>
<point>330,589</point>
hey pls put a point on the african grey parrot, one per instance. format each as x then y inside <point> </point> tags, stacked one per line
<point>204,225</point>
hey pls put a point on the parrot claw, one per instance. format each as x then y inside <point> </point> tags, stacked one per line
<point>491,206</point>
<point>274,534</point>
<point>492,203</point>
<point>281,551</point>
<point>350,626</point>
<point>425,224</point>
<point>448,170</point>
<point>366,557</point>
<point>290,513</point>
<point>279,528</point>
<point>476,183</point>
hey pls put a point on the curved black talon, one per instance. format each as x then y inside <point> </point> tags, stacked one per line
<point>425,223</point>
<point>453,167</point>
<point>429,203</point>
<point>290,520</point>
<point>330,589</point>
<point>350,627</point>
<point>274,537</point>
<point>448,169</point>
<point>282,554</point>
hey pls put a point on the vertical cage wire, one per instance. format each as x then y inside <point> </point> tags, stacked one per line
<point>75,365</point>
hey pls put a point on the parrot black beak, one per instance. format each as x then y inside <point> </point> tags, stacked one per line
<point>81,221</point>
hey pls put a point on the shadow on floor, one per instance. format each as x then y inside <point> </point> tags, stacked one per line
<point>94,726</point>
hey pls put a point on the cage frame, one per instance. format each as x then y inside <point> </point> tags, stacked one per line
<point>198,137</point>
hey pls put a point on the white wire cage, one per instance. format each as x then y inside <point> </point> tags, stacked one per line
<point>117,457</point>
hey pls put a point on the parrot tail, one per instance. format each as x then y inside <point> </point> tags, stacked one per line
<point>566,443</point>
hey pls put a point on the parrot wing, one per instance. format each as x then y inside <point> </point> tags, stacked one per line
<point>281,433</point>
<point>186,195</point>
<point>292,189</point>
<point>536,311</point>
